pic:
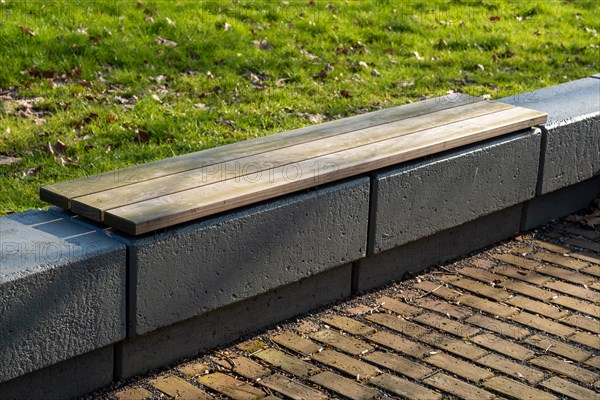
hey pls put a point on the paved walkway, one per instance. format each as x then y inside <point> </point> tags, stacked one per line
<point>519,320</point>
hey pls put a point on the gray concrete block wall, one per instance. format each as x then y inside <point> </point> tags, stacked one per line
<point>66,380</point>
<point>419,199</point>
<point>380,269</point>
<point>203,266</point>
<point>571,148</point>
<point>62,291</point>
<point>187,338</point>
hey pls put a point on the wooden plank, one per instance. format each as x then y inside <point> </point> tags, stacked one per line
<point>253,166</point>
<point>191,204</point>
<point>60,194</point>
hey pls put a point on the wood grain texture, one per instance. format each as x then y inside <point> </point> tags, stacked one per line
<point>62,193</point>
<point>250,167</point>
<point>183,206</point>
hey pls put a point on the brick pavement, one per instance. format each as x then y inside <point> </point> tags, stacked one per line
<point>519,320</point>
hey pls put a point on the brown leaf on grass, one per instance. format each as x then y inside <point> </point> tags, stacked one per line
<point>262,44</point>
<point>141,136</point>
<point>165,42</point>
<point>495,18</point>
<point>60,147</point>
<point>31,171</point>
<point>7,160</point>
<point>28,31</point>
<point>226,27</point>
<point>345,94</point>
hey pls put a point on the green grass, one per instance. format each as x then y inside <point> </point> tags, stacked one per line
<point>115,96</point>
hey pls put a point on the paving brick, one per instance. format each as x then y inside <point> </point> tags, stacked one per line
<point>487,306</point>
<point>398,364</point>
<point>443,307</point>
<point>583,322</point>
<point>397,306</point>
<point>586,233</point>
<point>176,387</point>
<point>346,364</point>
<point>572,371</point>
<point>543,324</point>
<point>400,344</point>
<point>578,305</point>
<point>344,386</point>
<point>503,346</point>
<point>447,325</point>
<point>593,362</point>
<point>458,367</point>
<point>518,261</point>
<point>292,389</point>
<point>137,393</point>
<point>287,363</point>
<point>454,346</point>
<point>556,248</point>
<point>537,307</point>
<point>243,366</point>
<point>553,346</point>
<point>437,290</point>
<point>567,262</point>
<point>296,343</point>
<point>341,342</point>
<point>521,274</point>
<point>574,290</point>
<point>231,387</point>
<point>457,387</point>
<point>568,389</point>
<point>593,270</point>
<point>528,290</point>
<point>569,276</point>
<point>497,326</point>
<point>521,249</point>
<point>252,346</point>
<point>397,324</point>
<point>349,325</point>
<point>479,288</point>
<point>194,369</point>
<point>514,369</point>
<point>479,274</point>
<point>586,339</point>
<point>516,389</point>
<point>587,257</point>
<point>404,388</point>
<point>584,244</point>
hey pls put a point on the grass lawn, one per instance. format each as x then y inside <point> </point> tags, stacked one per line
<point>90,86</point>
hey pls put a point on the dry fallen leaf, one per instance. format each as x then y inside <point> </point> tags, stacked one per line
<point>27,30</point>
<point>165,42</point>
<point>141,136</point>
<point>31,171</point>
<point>495,18</point>
<point>226,27</point>
<point>6,160</point>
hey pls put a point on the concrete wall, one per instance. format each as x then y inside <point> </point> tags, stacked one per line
<point>85,305</point>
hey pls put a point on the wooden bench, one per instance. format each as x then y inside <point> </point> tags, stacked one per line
<point>164,193</point>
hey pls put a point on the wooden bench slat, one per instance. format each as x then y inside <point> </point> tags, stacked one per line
<point>93,206</point>
<point>61,194</point>
<point>195,203</point>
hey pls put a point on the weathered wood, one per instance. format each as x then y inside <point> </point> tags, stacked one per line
<point>94,205</point>
<point>60,194</point>
<point>164,211</point>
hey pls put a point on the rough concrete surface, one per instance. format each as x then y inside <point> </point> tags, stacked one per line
<point>572,142</point>
<point>186,338</point>
<point>379,269</point>
<point>62,291</point>
<point>68,379</point>
<point>559,203</point>
<point>203,266</point>
<point>419,199</point>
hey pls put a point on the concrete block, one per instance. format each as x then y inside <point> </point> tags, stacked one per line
<point>560,203</point>
<point>166,345</point>
<point>62,291</point>
<point>597,76</point>
<point>382,268</point>
<point>419,199</point>
<point>572,133</point>
<point>209,264</point>
<point>66,380</point>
